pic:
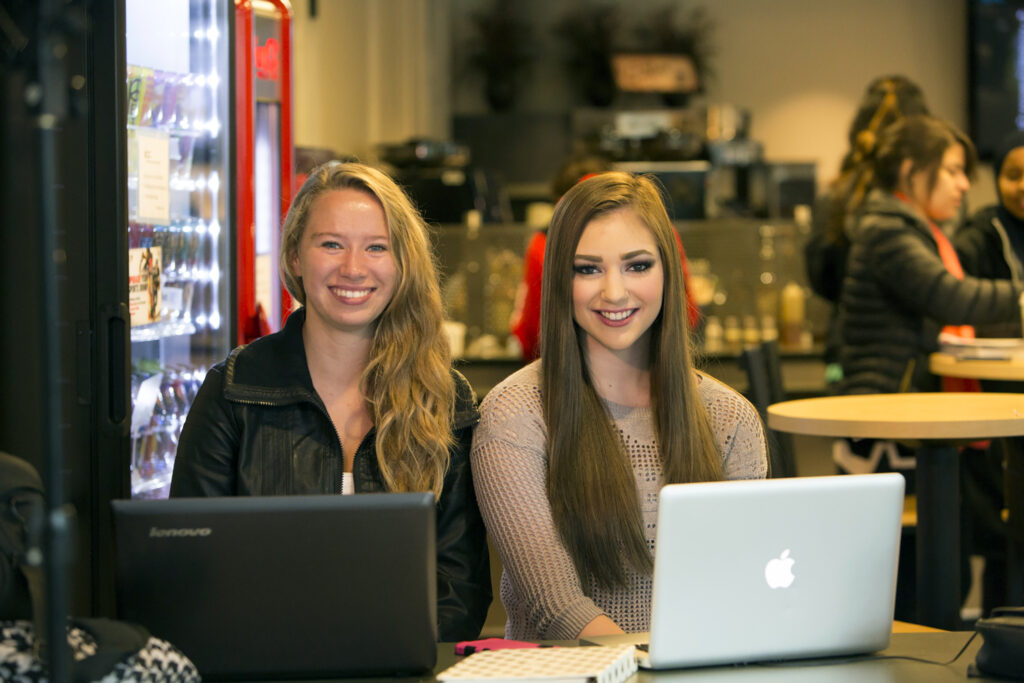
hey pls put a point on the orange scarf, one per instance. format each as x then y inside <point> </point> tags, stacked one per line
<point>952,263</point>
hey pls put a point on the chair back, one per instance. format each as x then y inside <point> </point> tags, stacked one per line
<point>1013,495</point>
<point>763,367</point>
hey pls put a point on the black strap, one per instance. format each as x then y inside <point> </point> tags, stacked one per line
<point>116,641</point>
<point>37,590</point>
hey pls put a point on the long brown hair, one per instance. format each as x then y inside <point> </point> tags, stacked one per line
<point>407,384</point>
<point>590,484</point>
<point>923,140</point>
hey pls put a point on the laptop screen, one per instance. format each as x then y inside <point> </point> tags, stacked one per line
<point>284,586</point>
<point>774,569</point>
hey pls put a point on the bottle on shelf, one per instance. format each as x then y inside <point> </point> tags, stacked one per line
<point>714,335</point>
<point>792,308</point>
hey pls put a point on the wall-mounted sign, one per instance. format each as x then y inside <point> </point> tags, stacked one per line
<point>659,73</point>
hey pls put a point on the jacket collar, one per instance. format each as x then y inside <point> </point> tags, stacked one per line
<point>273,370</point>
<point>879,201</point>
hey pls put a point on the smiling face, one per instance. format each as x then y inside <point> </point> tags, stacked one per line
<point>942,200</point>
<point>617,283</point>
<point>1011,182</point>
<point>345,262</point>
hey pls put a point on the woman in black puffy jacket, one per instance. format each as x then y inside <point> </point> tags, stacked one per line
<point>903,281</point>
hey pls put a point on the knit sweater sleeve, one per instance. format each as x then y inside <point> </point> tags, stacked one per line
<point>540,588</point>
<point>739,433</point>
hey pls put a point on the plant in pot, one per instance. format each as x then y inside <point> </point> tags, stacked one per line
<point>588,33</point>
<point>501,51</point>
<point>670,30</point>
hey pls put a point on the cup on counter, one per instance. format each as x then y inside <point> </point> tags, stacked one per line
<point>456,333</point>
<point>1021,303</point>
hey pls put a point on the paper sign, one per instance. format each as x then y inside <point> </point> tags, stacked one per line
<point>144,285</point>
<point>145,402</point>
<point>171,300</point>
<point>154,163</point>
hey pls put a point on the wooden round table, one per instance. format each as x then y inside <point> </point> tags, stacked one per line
<point>948,365</point>
<point>939,422</point>
<point>1011,370</point>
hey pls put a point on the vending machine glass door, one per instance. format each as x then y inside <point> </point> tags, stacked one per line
<point>179,220</point>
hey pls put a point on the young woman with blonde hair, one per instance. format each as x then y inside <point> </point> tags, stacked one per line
<point>356,394</point>
<point>572,450</point>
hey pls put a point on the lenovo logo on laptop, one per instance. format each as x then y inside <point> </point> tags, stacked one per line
<point>179,533</point>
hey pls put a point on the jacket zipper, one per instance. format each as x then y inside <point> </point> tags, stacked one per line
<point>334,427</point>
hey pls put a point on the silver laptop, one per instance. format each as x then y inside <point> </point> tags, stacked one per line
<point>750,571</point>
<point>285,586</point>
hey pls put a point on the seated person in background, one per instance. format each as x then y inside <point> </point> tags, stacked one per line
<point>356,394</point>
<point>904,284</point>
<point>886,100</point>
<point>903,279</point>
<point>991,245</point>
<point>572,450</point>
<point>525,321</point>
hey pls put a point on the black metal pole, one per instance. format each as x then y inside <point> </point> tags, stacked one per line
<point>51,90</point>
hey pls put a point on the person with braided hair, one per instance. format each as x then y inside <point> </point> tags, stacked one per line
<point>886,100</point>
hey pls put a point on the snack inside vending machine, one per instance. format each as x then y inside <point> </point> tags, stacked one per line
<point>179,188</point>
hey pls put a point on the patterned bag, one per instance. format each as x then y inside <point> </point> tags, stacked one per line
<point>101,649</point>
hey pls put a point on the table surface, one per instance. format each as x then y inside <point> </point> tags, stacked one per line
<point>901,661</point>
<point>950,366</point>
<point>914,416</point>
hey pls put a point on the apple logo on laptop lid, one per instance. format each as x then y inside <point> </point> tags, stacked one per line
<point>779,571</point>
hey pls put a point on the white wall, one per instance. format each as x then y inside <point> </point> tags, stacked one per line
<point>383,70</point>
<point>369,71</point>
<point>801,65</point>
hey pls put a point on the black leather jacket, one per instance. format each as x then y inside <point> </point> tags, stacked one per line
<point>257,427</point>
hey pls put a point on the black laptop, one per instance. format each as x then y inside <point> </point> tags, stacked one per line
<point>284,586</point>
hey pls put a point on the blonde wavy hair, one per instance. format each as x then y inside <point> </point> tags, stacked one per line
<point>590,482</point>
<point>407,384</point>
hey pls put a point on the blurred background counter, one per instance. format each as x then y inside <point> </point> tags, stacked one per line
<point>747,274</point>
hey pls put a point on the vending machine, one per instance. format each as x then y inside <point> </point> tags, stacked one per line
<point>179,219</point>
<point>265,153</point>
<point>144,171</point>
<point>137,178</point>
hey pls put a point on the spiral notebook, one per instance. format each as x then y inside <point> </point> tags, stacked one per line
<point>596,664</point>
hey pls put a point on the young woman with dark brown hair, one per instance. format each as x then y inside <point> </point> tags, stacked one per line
<point>572,450</point>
